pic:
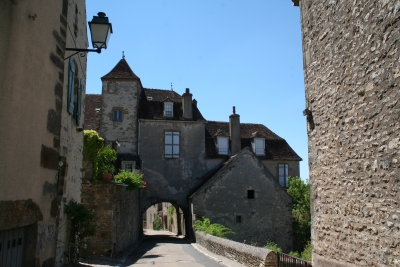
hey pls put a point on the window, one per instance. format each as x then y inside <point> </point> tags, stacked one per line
<point>259,146</point>
<point>172,145</point>
<point>168,109</point>
<point>117,115</point>
<point>223,145</point>
<point>238,219</point>
<point>128,165</point>
<point>250,194</point>
<point>283,175</point>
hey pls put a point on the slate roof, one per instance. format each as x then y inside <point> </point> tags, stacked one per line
<point>121,71</point>
<point>92,117</point>
<point>152,105</point>
<point>276,148</point>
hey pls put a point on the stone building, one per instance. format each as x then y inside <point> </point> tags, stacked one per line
<point>352,76</point>
<point>245,197</point>
<point>41,141</point>
<point>165,135</point>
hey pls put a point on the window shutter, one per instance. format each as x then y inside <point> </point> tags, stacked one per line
<point>168,144</point>
<point>79,103</point>
<point>71,87</point>
<point>175,142</point>
<point>259,147</point>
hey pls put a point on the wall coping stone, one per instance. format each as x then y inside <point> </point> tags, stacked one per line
<point>265,257</point>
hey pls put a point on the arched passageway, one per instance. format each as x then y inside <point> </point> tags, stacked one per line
<point>165,216</point>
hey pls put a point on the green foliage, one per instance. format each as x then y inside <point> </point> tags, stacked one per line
<point>305,255</point>
<point>132,179</point>
<point>171,210</point>
<point>295,254</point>
<point>300,192</point>
<point>101,156</point>
<point>214,229</point>
<point>81,223</point>
<point>273,246</point>
<point>157,224</point>
<point>105,160</point>
<point>307,252</point>
<point>92,143</point>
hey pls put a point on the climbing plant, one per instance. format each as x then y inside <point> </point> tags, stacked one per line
<point>101,156</point>
<point>81,223</point>
<point>171,210</point>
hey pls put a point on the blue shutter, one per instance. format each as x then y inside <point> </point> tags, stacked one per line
<point>71,79</point>
<point>79,103</point>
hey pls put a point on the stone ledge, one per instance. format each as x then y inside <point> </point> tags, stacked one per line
<point>242,253</point>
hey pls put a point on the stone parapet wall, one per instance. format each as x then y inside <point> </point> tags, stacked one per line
<point>352,75</point>
<point>242,253</point>
<point>118,218</point>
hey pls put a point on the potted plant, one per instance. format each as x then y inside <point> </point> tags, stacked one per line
<point>132,179</point>
<point>106,158</point>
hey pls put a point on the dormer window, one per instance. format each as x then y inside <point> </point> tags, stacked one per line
<point>259,146</point>
<point>223,145</point>
<point>168,109</point>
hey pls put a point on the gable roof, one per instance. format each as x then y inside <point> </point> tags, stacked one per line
<point>276,148</point>
<point>121,71</point>
<point>230,163</point>
<point>92,117</point>
<point>154,109</point>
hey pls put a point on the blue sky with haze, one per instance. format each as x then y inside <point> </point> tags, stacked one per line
<point>243,53</point>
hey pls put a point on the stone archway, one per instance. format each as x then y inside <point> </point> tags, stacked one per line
<point>161,209</point>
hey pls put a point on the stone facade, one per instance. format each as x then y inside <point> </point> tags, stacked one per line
<point>352,76</point>
<point>39,134</point>
<point>118,219</point>
<point>250,202</point>
<point>164,134</point>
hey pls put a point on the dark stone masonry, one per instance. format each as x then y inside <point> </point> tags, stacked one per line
<point>352,76</point>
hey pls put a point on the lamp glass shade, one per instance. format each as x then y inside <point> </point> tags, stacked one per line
<point>100,30</point>
<point>100,34</point>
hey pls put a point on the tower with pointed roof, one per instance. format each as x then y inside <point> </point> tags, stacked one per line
<point>121,89</point>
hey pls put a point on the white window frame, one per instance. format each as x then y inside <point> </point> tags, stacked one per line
<point>125,165</point>
<point>223,145</point>
<point>259,146</point>
<point>171,145</point>
<point>168,109</point>
<point>283,172</point>
<point>117,118</point>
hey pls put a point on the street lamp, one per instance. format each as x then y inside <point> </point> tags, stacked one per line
<point>100,29</point>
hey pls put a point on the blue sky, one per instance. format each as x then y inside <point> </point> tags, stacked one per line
<point>229,53</point>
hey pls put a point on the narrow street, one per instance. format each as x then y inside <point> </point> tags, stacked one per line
<point>163,248</point>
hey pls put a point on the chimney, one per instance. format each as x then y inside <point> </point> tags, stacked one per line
<point>187,105</point>
<point>234,132</point>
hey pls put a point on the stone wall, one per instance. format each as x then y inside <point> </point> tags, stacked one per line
<point>117,217</point>
<point>266,215</point>
<point>352,75</point>
<point>245,254</point>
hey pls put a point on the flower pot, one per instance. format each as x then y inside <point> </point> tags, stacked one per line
<point>106,177</point>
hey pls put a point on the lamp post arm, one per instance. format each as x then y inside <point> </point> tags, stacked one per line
<point>98,50</point>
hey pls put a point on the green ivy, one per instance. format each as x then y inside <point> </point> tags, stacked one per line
<point>171,210</point>
<point>101,156</point>
<point>81,222</point>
